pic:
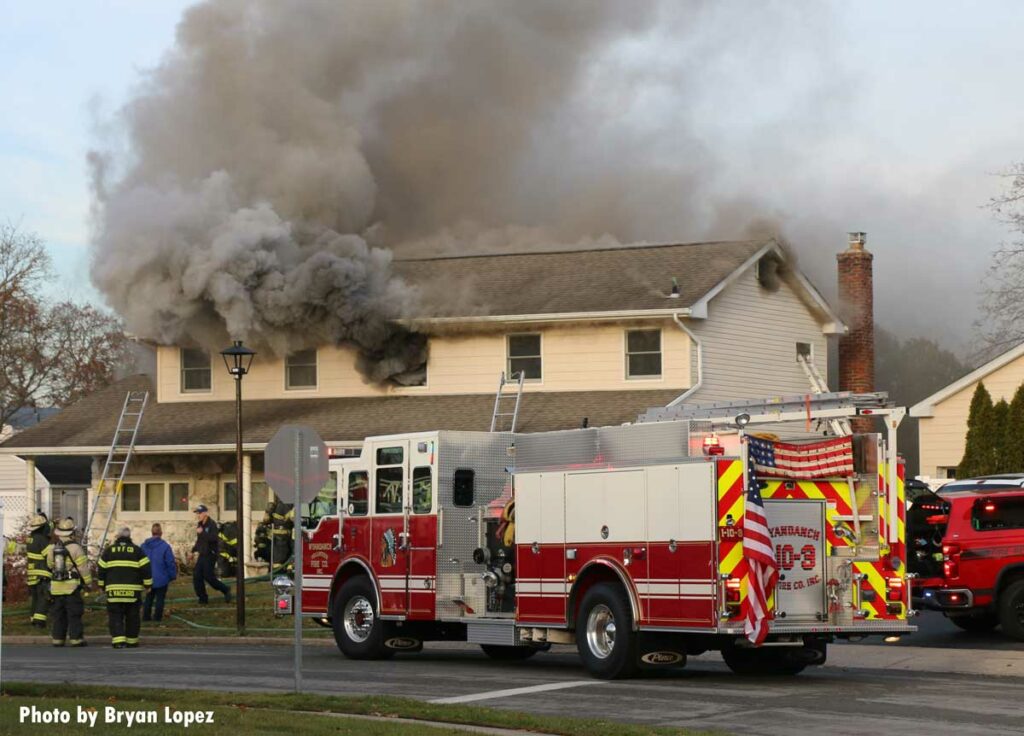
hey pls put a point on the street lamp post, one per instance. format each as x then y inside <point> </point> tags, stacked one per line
<point>238,359</point>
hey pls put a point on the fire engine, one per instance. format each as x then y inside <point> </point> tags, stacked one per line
<point>624,541</point>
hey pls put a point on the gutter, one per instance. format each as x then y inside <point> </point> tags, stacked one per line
<point>700,359</point>
<point>159,449</point>
<point>548,318</point>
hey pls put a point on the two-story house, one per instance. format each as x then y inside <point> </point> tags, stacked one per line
<point>600,335</point>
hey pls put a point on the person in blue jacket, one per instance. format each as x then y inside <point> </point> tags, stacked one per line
<point>165,569</point>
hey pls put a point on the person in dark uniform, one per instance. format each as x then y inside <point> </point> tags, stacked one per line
<point>124,575</point>
<point>206,550</point>
<point>37,572</point>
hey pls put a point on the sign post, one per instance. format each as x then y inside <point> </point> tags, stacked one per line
<point>296,464</point>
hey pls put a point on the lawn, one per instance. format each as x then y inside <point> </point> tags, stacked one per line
<point>184,617</point>
<point>297,715</point>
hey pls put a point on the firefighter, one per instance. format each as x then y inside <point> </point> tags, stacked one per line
<point>206,551</point>
<point>70,580</point>
<point>38,573</point>
<point>282,522</point>
<point>124,575</point>
<point>228,537</point>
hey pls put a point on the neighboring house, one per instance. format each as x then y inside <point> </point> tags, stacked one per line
<point>942,426</point>
<point>14,474</point>
<point>602,335</point>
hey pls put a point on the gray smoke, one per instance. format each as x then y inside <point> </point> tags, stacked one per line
<point>281,151</point>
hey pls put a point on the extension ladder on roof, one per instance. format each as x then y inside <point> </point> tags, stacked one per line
<point>505,396</point>
<point>840,426</point>
<point>114,470</point>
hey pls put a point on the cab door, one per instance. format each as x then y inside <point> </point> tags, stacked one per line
<point>389,551</point>
<point>421,514</point>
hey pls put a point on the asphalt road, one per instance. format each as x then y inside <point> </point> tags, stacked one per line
<point>704,695</point>
<point>935,630</point>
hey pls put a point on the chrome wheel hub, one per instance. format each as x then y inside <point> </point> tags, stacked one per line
<point>359,619</point>
<point>601,631</point>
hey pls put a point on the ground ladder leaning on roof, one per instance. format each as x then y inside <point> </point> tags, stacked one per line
<point>124,575</point>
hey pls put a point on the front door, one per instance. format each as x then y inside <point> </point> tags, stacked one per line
<point>798,533</point>
<point>389,554</point>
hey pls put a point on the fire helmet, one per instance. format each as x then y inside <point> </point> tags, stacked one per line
<point>37,521</point>
<point>65,527</point>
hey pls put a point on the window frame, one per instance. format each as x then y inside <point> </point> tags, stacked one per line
<point>509,373</point>
<point>433,490</point>
<point>182,370</point>
<point>349,472</point>
<point>256,512</point>
<point>660,376</point>
<point>316,371</point>
<point>167,514</point>
<point>810,351</point>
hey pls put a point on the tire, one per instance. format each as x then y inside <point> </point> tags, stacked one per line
<point>976,623</point>
<point>760,663</point>
<point>508,654</point>
<point>358,630</point>
<point>1011,610</point>
<point>605,637</point>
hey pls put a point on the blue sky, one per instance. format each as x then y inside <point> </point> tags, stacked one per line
<point>921,112</point>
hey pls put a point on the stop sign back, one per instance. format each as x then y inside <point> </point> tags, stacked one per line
<point>296,458</point>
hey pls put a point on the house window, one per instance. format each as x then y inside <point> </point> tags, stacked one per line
<point>524,357</point>
<point>131,497</point>
<point>804,350</point>
<point>300,369</point>
<point>195,370</point>
<point>261,496</point>
<point>643,353</point>
<point>155,497</point>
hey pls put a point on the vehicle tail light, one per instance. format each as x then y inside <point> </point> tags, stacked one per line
<point>712,445</point>
<point>951,560</point>
<point>895,590</point>
<point>732,591</point>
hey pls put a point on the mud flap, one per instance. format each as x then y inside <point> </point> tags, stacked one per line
<point>657,651</point>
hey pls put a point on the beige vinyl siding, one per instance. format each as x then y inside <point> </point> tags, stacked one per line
<point>574,358</point>
<point>942,435</point>
<point>749,342</point>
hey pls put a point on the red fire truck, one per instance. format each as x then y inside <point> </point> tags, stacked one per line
<point>626,541</point>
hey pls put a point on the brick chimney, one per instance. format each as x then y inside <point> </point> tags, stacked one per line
<point>856,307</point>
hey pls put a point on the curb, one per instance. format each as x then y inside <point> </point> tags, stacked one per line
<point>148,641</point>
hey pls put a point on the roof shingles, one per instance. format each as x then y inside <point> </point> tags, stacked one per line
<point>91,421</point>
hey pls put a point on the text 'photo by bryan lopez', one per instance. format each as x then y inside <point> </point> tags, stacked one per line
<point>109,715</point>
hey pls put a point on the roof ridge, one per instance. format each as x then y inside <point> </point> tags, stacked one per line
<point>563,251</point>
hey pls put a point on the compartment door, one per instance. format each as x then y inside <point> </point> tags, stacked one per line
<point>798,533</point>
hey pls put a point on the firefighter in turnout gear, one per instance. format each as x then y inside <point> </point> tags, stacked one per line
<point>124,575</point>
<point>37,572</point>
<point>69,567</point>
<point>281,520</point>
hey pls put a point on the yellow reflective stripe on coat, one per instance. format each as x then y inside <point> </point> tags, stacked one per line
<point>124,563</point>
<point>117,587</point>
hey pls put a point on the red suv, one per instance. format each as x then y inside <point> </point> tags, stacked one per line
<point>975,529</point>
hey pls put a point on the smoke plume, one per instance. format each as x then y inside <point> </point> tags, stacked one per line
<point>281,152</point>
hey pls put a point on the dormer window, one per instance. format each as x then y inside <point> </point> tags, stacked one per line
<point>195,370</point>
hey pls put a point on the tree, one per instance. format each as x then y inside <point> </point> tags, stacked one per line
<point>1014,442</point>
<point>978,451</point>
<point>1003,295</point>
<point>997,451</point>
<point>50,353</point>
<point>910,370</point>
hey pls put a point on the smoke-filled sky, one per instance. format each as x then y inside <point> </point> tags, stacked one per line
<point>256,144</point>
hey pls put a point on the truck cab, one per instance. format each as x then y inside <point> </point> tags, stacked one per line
<point>981,582</point>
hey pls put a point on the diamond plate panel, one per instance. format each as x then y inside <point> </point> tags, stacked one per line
<point>624,446</point>
<point>486,454</point>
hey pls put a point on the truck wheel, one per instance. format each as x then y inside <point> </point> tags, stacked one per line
<point>1011,610</point>
<point>977,623</point>
<point>508,654</point>
<point>358,629</point>
<point>760,662</point>
<point>604,633</point>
